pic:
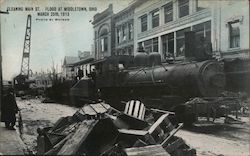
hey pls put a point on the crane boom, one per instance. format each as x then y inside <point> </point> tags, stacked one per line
<point>25,69</point>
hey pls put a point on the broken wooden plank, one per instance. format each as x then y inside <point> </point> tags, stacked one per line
<point>132,132</point>
<point>89,110</point>
<point>156,150</point>
<point>73,144</point>
<point>162,111</point>
<point>161,128</point>
<point>171,134</point>
<point>163,118</point>
<point>100,108</point>
<point>62,123</point>
<point>102,137</point>
<point>58,146</point>
<point>93,109</point>
<point>133,135</point>
<point>174,145</point>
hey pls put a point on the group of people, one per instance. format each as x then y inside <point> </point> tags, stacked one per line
<point>9,109</point>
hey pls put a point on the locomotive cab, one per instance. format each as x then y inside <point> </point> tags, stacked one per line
<point>108,70</point>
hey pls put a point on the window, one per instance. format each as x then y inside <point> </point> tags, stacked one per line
<point>155,44</point>
<point>183,8</point>
<point>168,12</point>
<point>103,39</point>
<point>124,37</point>
<point>104,44</point>
<point>234,34</point>
<point>130,31</point>
<point>180,41</point>
<point>148,46</point>
<point>155,18</point>
<point>118,35</point>
<point>168,45</point>
<point>151,45</point>
<point>144,23</point>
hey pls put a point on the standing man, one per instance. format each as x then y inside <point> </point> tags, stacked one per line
<point>80,73</point>
<point>9,109</point>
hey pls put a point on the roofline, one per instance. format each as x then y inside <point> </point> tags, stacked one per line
<point>87,60</point>
<point>131,6</point>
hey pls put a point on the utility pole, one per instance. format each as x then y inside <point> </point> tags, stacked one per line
<point>1,71</point>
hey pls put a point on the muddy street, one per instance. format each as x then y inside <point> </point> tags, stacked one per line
<point>36,114</point>
<point>219,139</point>
<point>211,139</point>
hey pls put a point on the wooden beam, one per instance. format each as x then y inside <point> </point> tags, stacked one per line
<point>74,143</point>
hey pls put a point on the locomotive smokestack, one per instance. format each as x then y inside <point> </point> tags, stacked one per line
<point>190,47</point>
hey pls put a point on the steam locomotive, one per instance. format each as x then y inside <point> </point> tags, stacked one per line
<point>145,78</point>
<point>168,85</point>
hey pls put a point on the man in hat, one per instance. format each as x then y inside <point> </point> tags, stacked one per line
<point>9,109</point>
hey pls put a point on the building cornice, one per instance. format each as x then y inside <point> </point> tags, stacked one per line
<point>150,7</point>
<point>103,21</point>
<point>106,13</point>
<point>130,8</point>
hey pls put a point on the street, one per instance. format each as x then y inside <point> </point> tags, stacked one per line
<point>36,114</point>
<point>209,140</point>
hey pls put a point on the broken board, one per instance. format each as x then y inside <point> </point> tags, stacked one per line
<point>153,150</point>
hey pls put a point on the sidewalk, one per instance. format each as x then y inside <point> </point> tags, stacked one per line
<point>10,142</point>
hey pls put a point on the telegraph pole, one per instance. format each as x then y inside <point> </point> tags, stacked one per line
<point>1,71</point>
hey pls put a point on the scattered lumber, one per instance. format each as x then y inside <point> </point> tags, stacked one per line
<point>99,129</point>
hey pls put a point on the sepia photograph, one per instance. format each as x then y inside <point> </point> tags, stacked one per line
<point>125,77</point>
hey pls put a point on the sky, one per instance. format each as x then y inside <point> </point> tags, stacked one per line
<point>51,41</point>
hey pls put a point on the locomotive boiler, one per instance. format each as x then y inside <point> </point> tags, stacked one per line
<point>145,78</point>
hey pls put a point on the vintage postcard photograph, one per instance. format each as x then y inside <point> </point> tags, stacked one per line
<point>125,77</point>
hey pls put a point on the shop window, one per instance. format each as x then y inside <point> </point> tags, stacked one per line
<point>234,34</point>
<point>203,30</point>
<point>148,46</point>
<point>168,45</point>
<point>144,23</point>
<point>155,18</point>
<point>151,45</point>
<point>180,41</point>
<point>155,45</point>
<point>168,12</point>
<point>183,8</point>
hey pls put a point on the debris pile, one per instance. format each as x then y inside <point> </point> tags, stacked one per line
<point>99,129</point>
